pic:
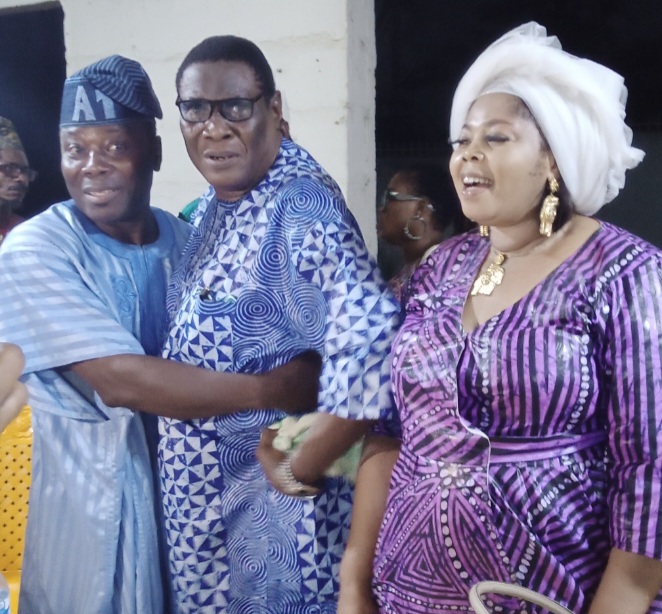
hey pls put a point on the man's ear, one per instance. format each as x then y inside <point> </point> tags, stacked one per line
<point>157,153</point>
<point>276,106</point>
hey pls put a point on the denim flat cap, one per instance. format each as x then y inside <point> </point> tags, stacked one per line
<point>111,91</point>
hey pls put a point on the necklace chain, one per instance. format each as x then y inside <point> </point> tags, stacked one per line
<point>492,276</point>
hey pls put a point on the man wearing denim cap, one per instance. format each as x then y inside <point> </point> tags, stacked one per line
<point>83,293</point>
<point>77,281</point>
<point>15,176</point>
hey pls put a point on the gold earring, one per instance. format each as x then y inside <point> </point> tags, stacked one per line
<point>549,208</point>
<point>484,231</point>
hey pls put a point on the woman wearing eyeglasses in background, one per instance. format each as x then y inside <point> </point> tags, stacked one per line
<point>419,209</point>
<point>15,176</point>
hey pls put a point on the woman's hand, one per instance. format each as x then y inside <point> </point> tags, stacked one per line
<point>274,462</point>
<point>294,387</point>
<point>13,394</point>
<point>356,598</point>
<point>629,584</point>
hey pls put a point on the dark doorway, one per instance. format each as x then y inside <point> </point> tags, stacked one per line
<point>424,47</point>
<point>32,71</point>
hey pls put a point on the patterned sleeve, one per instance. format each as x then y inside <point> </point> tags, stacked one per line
<point>361,316</point>
<point>48,307</point>
<point>632,312</point>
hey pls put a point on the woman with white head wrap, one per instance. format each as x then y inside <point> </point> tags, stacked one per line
<point>527,370</point>
<point>579,106</point>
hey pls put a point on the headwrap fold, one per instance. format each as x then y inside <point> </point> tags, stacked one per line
<point>578,104</point>
<point>111,91</point>
<point>9,138</point>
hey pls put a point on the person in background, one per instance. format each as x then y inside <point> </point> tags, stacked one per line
<point>527,370</point>
<point>276,265</point>
<point>82,291</point>
<point>13,393</point>
<point>417,213</point>
<point>15,176</point>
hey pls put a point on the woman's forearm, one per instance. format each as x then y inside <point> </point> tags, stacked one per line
<point>372,486</point>
<point>629,584</point>
<point>326,440</point>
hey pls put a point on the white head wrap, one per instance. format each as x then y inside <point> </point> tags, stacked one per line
<point>578,104</point>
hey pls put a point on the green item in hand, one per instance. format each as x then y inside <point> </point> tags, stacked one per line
<point>291,433</point>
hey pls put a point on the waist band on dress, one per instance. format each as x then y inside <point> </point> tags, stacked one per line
<point>523,449</point>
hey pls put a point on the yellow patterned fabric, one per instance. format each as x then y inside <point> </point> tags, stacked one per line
<point>15,472</point>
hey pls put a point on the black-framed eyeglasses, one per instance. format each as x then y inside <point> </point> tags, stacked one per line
<point>390,195</point>
<point>198,110</point>
<point>13,171</point>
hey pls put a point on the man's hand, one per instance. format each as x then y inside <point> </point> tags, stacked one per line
<point>13,394</point>
<point>294,387</point>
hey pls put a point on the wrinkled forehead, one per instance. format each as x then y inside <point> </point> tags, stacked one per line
<point>136,131</point>
<point>219,80</point>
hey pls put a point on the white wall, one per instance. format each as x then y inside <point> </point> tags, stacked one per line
<point>322,53</point>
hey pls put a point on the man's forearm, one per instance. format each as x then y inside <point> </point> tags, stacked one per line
<point>169,388</point>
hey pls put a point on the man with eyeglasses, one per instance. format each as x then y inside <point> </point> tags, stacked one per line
<point>276,265</point>
<point>82,292</point>
<point>15,176</point>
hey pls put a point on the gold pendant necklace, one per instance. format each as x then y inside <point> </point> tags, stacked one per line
<point>493,274</point>
<point>491,277</point>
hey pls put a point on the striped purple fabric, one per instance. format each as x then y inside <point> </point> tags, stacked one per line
<point>529,445</point>
<point>526,449</point>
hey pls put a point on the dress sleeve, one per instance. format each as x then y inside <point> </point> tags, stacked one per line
<point>632,318</point>
<point>361,318</point>
<point>49,307</point>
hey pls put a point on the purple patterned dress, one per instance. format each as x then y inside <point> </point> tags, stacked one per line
<point>529,445</point>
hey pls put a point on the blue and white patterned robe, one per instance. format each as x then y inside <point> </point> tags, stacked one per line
<point>281,271</point>
<point>68,293</point>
